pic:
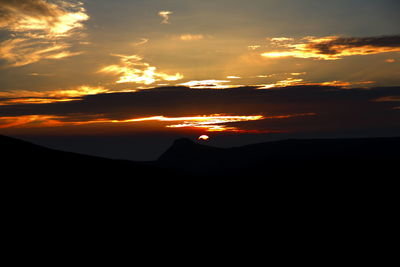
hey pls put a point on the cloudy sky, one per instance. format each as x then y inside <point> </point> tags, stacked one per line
<point>207,67</point>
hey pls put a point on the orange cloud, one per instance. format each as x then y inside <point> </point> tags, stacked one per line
<point>388,99</point>
<point>38,15</point>
<point>298,82</point>
<point>30,121</point>
<point>335,47</point>
<point>132,69</point>
<point>280,39</point>
<point>253,47</point>
<point>191,37</point>
<point>39,29</point>
<point>209,84</point>
<point>43,97</point>
<point>209,123</point>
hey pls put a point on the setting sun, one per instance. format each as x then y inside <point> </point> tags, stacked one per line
<point>204,137</point>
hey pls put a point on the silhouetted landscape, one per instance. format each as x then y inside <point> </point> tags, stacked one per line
<point>295,159</point>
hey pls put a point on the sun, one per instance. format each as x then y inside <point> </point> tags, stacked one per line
<point>204,137</point>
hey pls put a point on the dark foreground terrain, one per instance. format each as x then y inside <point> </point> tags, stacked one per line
<point>271,161</point>
<point>317,158</point>
<point>294,167</point>
<point>313,190</point>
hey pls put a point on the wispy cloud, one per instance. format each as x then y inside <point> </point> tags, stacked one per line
<point>39,29</point>
<point>165,15</point>
<point>191,37</point>
<point>42,97</point>
<point>388,99</point>
<point>334,47</point>
<point>301,82</point>
<point>132,69</point>
<point>141,41</point>
<point>280,39</point>
<point>209,84</point>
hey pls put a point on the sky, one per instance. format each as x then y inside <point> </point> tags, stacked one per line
<point>236,71</point>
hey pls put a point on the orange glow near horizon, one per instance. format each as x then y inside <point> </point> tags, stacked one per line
<point>300,82</point>
<point>30,121</point>
<point>210,123</point>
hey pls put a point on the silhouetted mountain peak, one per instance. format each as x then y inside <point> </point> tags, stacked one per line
<point>185,149</point>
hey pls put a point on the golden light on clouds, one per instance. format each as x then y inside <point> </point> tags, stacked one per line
<point>209,123</point>
<point>21,51</point>
<point>42,97</point>
<point>253,47</point>
<point>209,84</point>
<point>132,69</point>
<point>39,30</point>
<point>29,121</point>
<point>38,15</point>
<point>332,47</point>
<point>213,123</point>
<point>300,82</point>
<point>283,83</point>
<point>280,39</point>
<point>191,37</point>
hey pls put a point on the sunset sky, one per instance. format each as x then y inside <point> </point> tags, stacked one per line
<point>249,69</point>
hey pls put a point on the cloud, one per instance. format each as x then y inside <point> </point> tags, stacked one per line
<point>209,84</point>
<point>165,15</point>
<point>210,123</point>
<point>141,41</point>
<point>191,37</point>
<point>253,47</point>
<point>388,99</point>
<point>44,97</point>
<point>39,29</point>
<point>38,15</point>
<point>301,82</point>
<point>289,109</point>
<point>334,47</point>
<point>132,69</point>
<point>30,121</point>
<point>280,39</point>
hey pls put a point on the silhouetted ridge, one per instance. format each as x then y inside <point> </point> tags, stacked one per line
<point>295,156</point>
<point>28,159</point>
<point>187,152</point>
